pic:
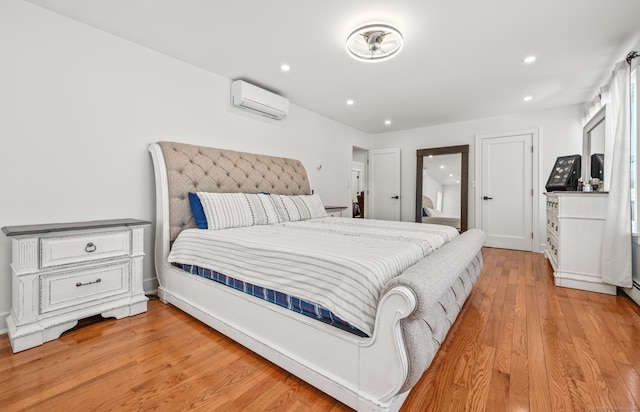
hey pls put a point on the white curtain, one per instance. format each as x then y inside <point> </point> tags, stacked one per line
<point>616,250</point>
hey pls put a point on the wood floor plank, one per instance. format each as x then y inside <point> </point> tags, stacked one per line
<point>519,344</point>
<point>600,393</point>
<point>519,341</point>
<point>538,375</point>
<point>498,397</point>
<point>505,332</point>
<point>519,384</point>
<point>554,330</point>
<point>478,393</point>
<point>631,377</point>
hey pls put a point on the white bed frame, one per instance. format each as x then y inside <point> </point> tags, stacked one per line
<point>366,374</point>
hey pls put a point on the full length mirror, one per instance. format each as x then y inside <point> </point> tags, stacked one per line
<point>442,176</point>
<point>593,141</point>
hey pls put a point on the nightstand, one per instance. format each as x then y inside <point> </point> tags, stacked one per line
<point>335,211</point>
<point>62,273</point>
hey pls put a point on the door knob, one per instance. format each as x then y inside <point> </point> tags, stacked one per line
<point>395,197</point>
<point>487,197</point>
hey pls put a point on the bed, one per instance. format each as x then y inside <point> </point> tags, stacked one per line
<point>414,309</point>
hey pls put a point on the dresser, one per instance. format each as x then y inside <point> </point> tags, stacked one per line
<point>575,224</point>
<point>62,273</point>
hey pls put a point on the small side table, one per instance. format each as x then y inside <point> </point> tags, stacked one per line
<point>335,211</point>
<point>65,272</point>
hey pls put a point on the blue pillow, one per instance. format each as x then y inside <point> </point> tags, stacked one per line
<point>424,212</point>
<point>198,211</point>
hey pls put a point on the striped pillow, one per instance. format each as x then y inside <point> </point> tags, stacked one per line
<point>298,207</point>
<point>226,210</point>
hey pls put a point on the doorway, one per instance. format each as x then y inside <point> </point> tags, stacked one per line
<point>359,183</point>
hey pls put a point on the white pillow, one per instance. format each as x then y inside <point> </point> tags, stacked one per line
<point>226,210</point>
<point>434,213</point>
<point>299,207</point>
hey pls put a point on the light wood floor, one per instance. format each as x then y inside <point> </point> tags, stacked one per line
<point>519,344</point>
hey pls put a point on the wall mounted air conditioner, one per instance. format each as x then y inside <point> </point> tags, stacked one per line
<point>259,101</point>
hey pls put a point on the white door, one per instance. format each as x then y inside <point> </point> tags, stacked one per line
<point>506,191</point>
<point>384,177</point>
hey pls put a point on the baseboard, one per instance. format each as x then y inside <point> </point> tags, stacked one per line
<point>150,286</point>
<point>634,291</point>
<point>3,323</point>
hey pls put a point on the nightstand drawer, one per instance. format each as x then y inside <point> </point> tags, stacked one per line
<point>63,250</point>
<point>70,289</point>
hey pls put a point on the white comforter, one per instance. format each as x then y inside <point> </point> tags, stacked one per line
<point>339,263</point>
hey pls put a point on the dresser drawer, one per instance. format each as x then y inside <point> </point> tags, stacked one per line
<point>552,223</point>
<point>63,250</point>
<point>552,250</point>
<point>74,288</point>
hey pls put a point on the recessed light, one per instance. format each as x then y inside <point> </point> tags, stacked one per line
<point>285,67</point>
<point>387,122</point>
<point>441,166</point>
<point>457,181</point>
<point>350,102</point>
<point>527,98</point>
<point>529,59</point>
<point>450,174</point>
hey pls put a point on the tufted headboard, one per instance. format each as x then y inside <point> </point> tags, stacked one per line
<point>205,169</point>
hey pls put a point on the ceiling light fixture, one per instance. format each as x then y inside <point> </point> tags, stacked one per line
<point>387,122</point>
<point>374,42</point>
<point>350,102</point>
<point>285,67</point>
<point>529,59</point>
<point>527,98</point>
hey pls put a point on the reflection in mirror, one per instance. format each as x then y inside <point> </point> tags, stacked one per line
<point>441,186</point>
<point>593,141</point>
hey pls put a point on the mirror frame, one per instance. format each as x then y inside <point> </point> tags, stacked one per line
<point>595,121</point>
<point>464,179</point>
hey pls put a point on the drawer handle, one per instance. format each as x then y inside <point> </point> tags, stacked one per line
<point>91,247</point>
<point>88,283</point>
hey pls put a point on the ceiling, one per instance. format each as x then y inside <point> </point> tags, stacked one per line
<point>462,59</point>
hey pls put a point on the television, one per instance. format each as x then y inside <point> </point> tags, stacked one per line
<point>565,174</point>
<point>597,166</point>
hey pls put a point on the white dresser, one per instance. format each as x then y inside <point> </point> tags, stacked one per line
<point>575,224</point>
<point>62,273</point>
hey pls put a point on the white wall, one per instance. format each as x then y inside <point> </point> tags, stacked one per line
<point>560,134</point>
<point>79,107</point>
